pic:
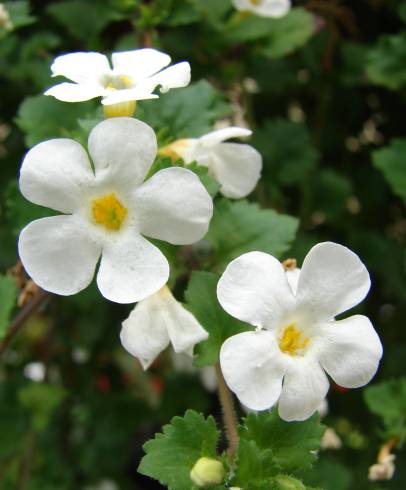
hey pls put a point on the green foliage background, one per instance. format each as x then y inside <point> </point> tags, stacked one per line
<point>324,91</point>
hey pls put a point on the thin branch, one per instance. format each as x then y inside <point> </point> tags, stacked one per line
<point>229,415</point>
<point>30,308</point>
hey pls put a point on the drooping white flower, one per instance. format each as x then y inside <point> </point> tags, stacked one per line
<point>264,8</point>
<point>297,340</point>
<point>236,167</point>
<point>107,212</point>
<point>383,470</point>
<point>134,75</point>
<point>157,321</point>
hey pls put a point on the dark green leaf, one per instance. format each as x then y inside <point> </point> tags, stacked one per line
<point>392,162</point>
<point>8,295</point>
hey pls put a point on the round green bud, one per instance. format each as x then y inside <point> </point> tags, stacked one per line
<point>207,472</point>
<point>285,482</point>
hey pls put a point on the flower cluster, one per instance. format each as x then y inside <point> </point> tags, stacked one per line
<point>109,209</point>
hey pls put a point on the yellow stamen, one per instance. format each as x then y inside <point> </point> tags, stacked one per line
<point>109,212</point>
<point>255,2</point>
<point>293,342</point>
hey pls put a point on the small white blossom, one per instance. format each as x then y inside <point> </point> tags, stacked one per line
<point>236,167</point>
<point>107,212</point>
<point>134,75</point>
<point>35,371</point>
<point>330,440</point>
<point>5,20</point>
<point>297,340</point>
<point>264,8</point>
<point>157,321</point>
<point>383,470</point>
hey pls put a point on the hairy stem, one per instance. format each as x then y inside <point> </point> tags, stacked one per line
<point>229,415</point>
<point>15,326</point>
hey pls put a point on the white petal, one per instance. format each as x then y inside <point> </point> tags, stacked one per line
<point>140,63</point>
<point>215,137</point>
<point>173,205</point>
<point>131,268</point>
<point>123,149</point>
<point>183,328</point>
<point>350,351</point>
<point>175,76</point>
<point>54,173</point>
<point>59,254</point>
<point>304,387</point>
<point>254,289</point>
<point>144,334</point>
<point>81,67</point>
<point>127,95</point>
<point>293,278</point>
<point>237,168</point>
<point>265,8</point>
<point>72,92</point>
<point>253,368</point>
<point>332,280</point>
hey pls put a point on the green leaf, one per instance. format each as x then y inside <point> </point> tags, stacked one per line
<point>287,149</point>
<point>19,12</point>
<point>254,466</point>
<point>212,186</point>
<point>292,443</point>
<point>8,296</point>
<point>281,36</point>
<point>171,455</point>
<point>386,64</point>
<point>42,118</point>
<point>83,20</point>
<point>202,301</point>
<point>388,401</point>
<point>239,226</point>
<point>41,399</point>
<point>392,162</point>
<point>186,112</point>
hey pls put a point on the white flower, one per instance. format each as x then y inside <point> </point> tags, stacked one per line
<point>264,8</point>
<point>297,340</point>
<point>383,470</point>
<point>134,76</point>
<point>108,211</point>
<point>236,167</point>
<point>330,440</point>
<point>157,321</point>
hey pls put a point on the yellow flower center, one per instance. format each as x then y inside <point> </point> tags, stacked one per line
<point>174,150</point>
<point>293,341</point>
<point>255,2</point>
<point>109,212</point>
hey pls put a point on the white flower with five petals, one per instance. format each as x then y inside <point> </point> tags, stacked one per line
<point>108,210</point>
<point>157,321</point>
<point>264,8</point>
<point>236,167</point>
<point>297,340</point>
<point>134,75</point>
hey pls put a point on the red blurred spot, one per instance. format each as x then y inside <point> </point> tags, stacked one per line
<point>103,383</point>
<point>339,389</point>
<point>157,384</point>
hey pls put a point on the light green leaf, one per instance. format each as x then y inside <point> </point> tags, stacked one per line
<point>293,444</point>
<point>392,162</point>
<point>171,455</point>
<point>19,12</point>
<point>202,301</point>
<point>281,36</point>
<point>185,112</point>
<point>254,466</point>
<point>386,64</point>
<point>8,296</point>
<point>239,227</point>
<point>388,401</point>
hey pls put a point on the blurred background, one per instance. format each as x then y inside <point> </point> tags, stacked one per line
<point>323,89</point>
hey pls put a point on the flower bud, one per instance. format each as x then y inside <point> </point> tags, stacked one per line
<point>285,482</point>
<point>207,472</point>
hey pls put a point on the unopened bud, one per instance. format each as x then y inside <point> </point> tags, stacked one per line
<point>284,482</point>
<point>383,470</point>
<point>207,472</point>
<point>330,440</point>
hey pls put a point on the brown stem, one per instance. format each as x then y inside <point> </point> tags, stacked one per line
<point>229,416</point>
<point>15,326</point>
<point>386,449</point>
